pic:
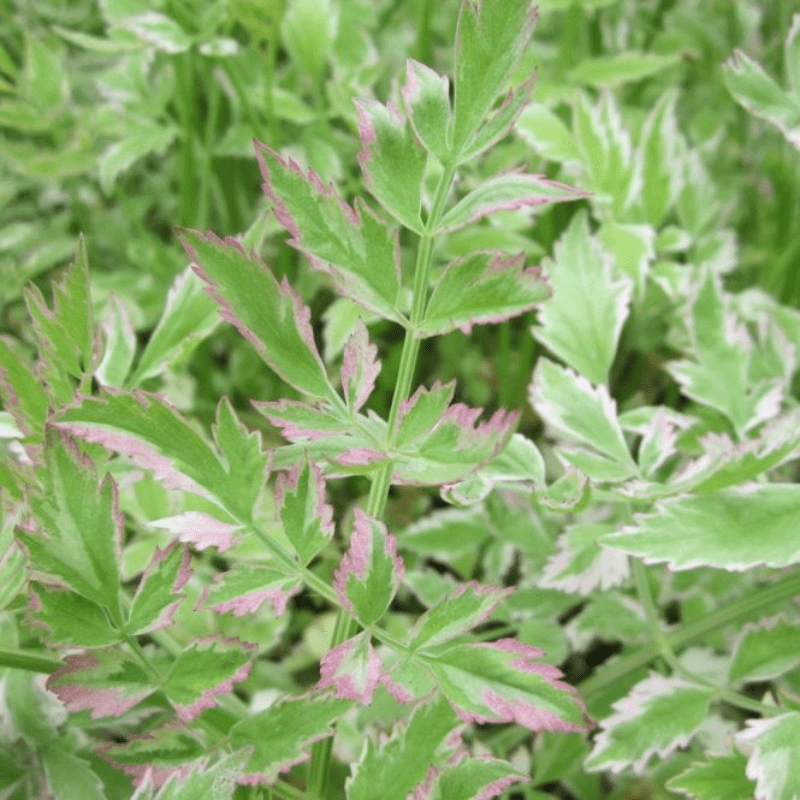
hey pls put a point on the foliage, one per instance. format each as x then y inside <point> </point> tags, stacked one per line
<point>448,477</point>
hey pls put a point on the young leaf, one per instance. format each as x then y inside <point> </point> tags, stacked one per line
<point>370,572</point>
<point>159,593</point>
<point>392,161</point>
<point>360,367</point>
<point>571,405</point>
<point>733,529</point>
<point>403,762</point>
<point>658,716</point>
<point>720,778</point>
<point>350,244</point>
<point>775,746</point>
<point>472,779</point>
<point>482,288</point>
<point>189,315</point>
<point>582,322</point>
<point>70,619</point>
<point>500,682</point>
<point>283,733</point>
<point>427,99</point>
<point>491,36</point>
<point>77,534</point>
<point>245,587</point>
<point>353,669</point>
<point>107,681</point>
<point>457,613</point>
<point>307,518</point>
<point>765,651</point>
<point>205,669</point>
<point>506,192</point>
<point>269,315</point>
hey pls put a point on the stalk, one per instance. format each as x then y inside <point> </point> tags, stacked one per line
<point>346,626</point>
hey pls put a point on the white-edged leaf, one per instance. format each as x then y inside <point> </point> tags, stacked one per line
<point>547,134</point>
<point>765,651</point>
<point>774,744</point>
<point>722,777</point>
<point>583,320</point>
<point>120,345</point>
<point>659,715</point>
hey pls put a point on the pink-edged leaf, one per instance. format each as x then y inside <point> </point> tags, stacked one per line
<point>353,669</point>
<point>106,681</point>
<point>370,572</point>
<point>402,763</point>
<point>439,445</point>
<point>283,734</point>
<point>504,193</point>
<point>659,715</point>
<point>360,367</point>
<point>456,614</point>
<point>470,779</point>
<point>70,619</point>
<point>271,316</point>
<point>350,244</point>
<point>199,529</point>
<point>208,667</point>
<point>502,682</point>
<point>482,288</point>
<point>392,161</point>
<point>159,593</point>
<point>74,537</point>
<point>152,434</point>
<point>427,100</point>
<point>244,588</point>
<point>774,747</point>
<point>307,518</point>
<point>21,392</point>
<point>165,751</point>
<point>490,39</point>
<point>301,422</point>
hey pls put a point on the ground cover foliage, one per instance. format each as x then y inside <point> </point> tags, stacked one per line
<point>459,460</point>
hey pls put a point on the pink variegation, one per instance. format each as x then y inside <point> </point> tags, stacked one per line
<point>243,590</point>
<point>199,529</point>
<point>353,669</point>
<point>360,367</point>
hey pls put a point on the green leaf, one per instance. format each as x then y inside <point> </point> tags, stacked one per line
<point>269,315</point>
<point>21,391</point>
<point>501,682</point>
<point>490,39</point>
<point>733,529</point>
<point>765,651</point>
<point>370,572</point>
<point>205,669</point>
<point>243,588</point>
<point>350,244</point>
<point>482,288</point>
<point>123,154</point>
<point>77,534</point>
<point>392,161</point>
<point>456,614</point>
<point>792,56</point>
<point>360,367</point>
<point>658,716</point>
<point>545,132</point>
<point>614,70</point>
<point>218,782</point>
<point>582,322</point>
<point>352,668</point>
<point>120,345</point>
<point>402,763</point>
<point>159,31</point>
<point>189,316</point>
<point>307,518</point>
<point>506,192</point>
<point>775,747</point>
<point>72,620</point>
<point>159,593</point>
<point>70,777</point>
<point>475,778</point>
<point>720,778</point>
<point>572,406</point>
<point>283,733</point>
<point>13,564</point>
<point>427,100</point>
<point>760,94</point>
<point>308,30</point>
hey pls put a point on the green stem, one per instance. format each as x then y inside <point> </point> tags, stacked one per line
<point>185,98</point>
<point>208,158</point>
<point>29,660</point>
<point>346,626</point>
